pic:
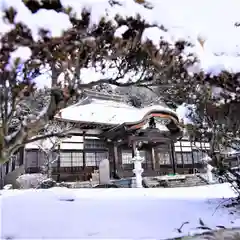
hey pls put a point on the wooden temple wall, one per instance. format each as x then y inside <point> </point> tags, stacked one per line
<point>79,157</point>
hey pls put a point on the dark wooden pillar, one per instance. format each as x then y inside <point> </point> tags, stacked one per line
<point>84,174</point>
<point>172,152</point>
<point>134,145</point>
<point>58,164</point>
<point>153,158</point>
<point>84,151</point>
<point>115,157</point>
<point>181,151</point>
<point>193,163</point>
<point>21,156</point>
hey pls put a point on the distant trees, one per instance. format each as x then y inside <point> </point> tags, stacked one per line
<point>138,96</point>
<point>215,119</point>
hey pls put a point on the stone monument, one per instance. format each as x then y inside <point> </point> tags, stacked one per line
<point>209,173</point>
<point>104,172</point>
<point>138,170</point>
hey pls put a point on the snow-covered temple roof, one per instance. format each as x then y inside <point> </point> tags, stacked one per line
<point>109,109</point>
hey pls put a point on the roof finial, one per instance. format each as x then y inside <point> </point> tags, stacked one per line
<point>201,40</point>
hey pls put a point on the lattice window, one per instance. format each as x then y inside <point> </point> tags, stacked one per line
<point>93,158</point>
<point>101,156</point>
<point>164,158</point>
<point>179,158</point>
<point>65,159</point>
<point>42,158</point>
<point>94,144</point>
<point>90,159</point>
<point>31,158</point>
<point>77,159</point>
<point>187,158</point>
<point>198,156</point>
<point>126,157</point>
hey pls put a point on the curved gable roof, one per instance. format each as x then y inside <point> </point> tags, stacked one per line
<point>109,112</point>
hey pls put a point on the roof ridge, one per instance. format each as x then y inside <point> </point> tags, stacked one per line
<point>103,95</point>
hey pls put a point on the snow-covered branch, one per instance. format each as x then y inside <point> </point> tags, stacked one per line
<point>50,144</point>
<point>115,48</point>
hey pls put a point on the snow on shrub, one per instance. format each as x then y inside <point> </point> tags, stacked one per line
<point>33,180</point>
<point>8,187</point>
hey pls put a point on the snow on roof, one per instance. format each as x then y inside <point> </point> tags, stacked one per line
<point>108,112</point>
<point>185,19</point>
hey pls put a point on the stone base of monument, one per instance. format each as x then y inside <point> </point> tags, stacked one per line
<point>95,176</point>
<point>189,180</point>
<point>110,185</point>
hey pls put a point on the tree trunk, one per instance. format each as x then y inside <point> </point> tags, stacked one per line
<point>4,156</point>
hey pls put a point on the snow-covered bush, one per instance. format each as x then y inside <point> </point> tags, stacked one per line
<point>63,184</point>
<point>48,183</point>
<point>8,187</point>
<point>33,180</point>
<point>106,186</point>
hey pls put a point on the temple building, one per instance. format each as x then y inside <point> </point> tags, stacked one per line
<point>106,126</point>
<point>110,128</point>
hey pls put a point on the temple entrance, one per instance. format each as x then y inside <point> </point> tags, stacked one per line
<point>162,160</point>
<point>127,163</point>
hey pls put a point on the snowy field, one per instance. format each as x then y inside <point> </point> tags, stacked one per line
<point>112,213</point>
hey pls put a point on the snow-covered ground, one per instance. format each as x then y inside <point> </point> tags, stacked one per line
<point>112,213</point>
